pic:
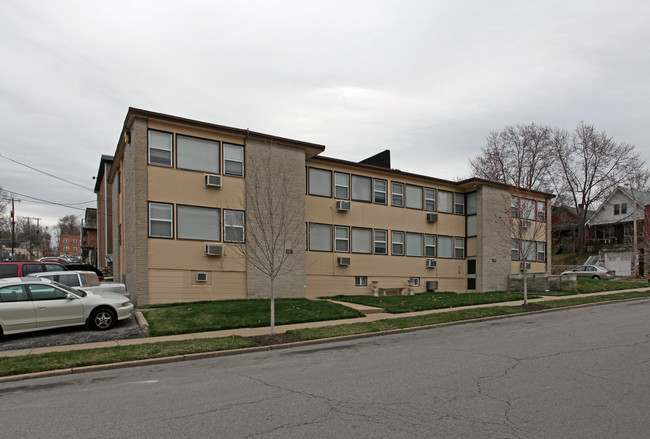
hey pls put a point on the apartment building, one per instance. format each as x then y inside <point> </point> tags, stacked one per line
<point>183,216</point>
<point>70,245</point>
<point>103,190</point>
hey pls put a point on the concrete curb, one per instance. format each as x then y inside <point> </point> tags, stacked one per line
<point>205,355</point>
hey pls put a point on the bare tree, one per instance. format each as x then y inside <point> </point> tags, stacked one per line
<point>69,225</point>
<point>518,155</point>
<point>525,227</point>
<point>273,234</point>
<point>591,165</point>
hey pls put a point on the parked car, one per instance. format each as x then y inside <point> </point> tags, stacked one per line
<point>592,271</point>
<point>24,268</point>
<point>85,267</point>
<point>53,259</point>
<point>84,280</point>
<point>33,304</point>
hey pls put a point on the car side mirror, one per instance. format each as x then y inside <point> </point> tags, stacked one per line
<point>70,296</point>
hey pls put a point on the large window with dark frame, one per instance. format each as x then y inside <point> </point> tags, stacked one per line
<point>459,248</point>
<point>320,237</point>
<point>459,203</point>
<point>361,188</point>
<point>445,247</point>
<point>445,201</point>
<point>320,182</point>
<point>160,148</point>
<point>198,223</point>
<point>161,220</point>
<point>429,199</point>
<point>197,154</point>
<point>361,240</point>
<point>414,244</point>
<point>233,226</point>
<point>430,246</point>
<point>413,196</point>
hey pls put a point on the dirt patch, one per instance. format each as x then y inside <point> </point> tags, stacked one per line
<point>533,307</point>
<point>266,340</point>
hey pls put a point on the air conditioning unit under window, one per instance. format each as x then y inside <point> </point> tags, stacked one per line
<point>213,250</point>
<point>343,261</point>
<point>432,263</point>
<point>201,277</point>
<point>526,224</point>
<point>432,217</point>
<point>343,206</point>
<point>521,266</point>
<point>213,180</point>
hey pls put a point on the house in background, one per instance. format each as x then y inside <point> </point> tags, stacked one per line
<point>564,225</point>
<point>70,245</point>
<point>176,194</point>
<point>612,230</point>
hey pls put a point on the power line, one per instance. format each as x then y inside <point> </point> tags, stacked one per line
<point>47,201</point>
<point>48,174</point>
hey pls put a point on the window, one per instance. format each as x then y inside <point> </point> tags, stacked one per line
<point>416,281</point>
<point>617,209</point>
<point>397,194</point>
<point>623,208</point>
<point>541,252</point>
<point>515,208</point>
<point>161,221</point>
<point>74,241</point>
<point>429,199</point>
<point>430,246</point>
<point>13,293</point>
<point>197,154</point>
<point>413,196</point>
<point>360,281</point>
<point>472,205</point>
<point>380,191</point>
<point>529,249</point>
<point>459,248</point>
<point>74,249</point>
<point>66,248</point>
<point>233,226</point>
<point>381,242</point>
<point>361,188</point>
<point>397,241</point>
<point>445,202</point>
<point>160,148</point>
<point>233,160</point>
<point>341,185</point>
<point>459,204</point>
<point>361,240</point>
<point>46,292</point>
<point>320,182</point>
<point>414,244</point>
<point>514,250</point>
<point>541,211</point>
<point>66,240</point>
<point>472,225</point>
<point>198,223</point>
<point>445,249</point>
<point>471,266</point>
<point>320,237</point>
<point>342,239</point>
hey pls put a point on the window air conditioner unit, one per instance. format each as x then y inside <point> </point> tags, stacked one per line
<point>432,263</point>
<point>213,250</point>
<point>432,285</point>
<point>213,180</point>
<point>521,266</point>
<point>343,206</point>
<point>526,224</point>
<point>432,217</point>
<point>201,277</point>
<point>343,261</point>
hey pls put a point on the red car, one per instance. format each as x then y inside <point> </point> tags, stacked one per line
<point>23,268</point>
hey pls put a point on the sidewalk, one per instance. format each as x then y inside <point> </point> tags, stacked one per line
<point>371,315</point>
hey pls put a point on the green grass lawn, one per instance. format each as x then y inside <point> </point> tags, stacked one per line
<point>425,301</point>
<point>187,318</point>
<point>599,285</point>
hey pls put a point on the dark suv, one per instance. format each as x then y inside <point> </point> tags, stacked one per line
<point>23,268</point>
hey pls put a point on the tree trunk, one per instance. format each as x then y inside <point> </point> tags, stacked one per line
<point>272,306</point>
<point>525,285</point>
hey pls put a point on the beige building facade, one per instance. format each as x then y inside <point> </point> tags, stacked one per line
<point>184,212</point>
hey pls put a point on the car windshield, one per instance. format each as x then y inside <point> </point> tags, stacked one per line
<point>71,290</point>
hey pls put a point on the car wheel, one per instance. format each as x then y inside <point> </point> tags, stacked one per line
<point>102,319</point>
<point>595,276</point>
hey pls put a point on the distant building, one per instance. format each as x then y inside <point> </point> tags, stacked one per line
<point>103,189</point>
<point>89,237</point>
<point>70,245</point>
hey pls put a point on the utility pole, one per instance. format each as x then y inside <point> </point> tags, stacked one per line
<point>13,230</point>
<point>29,235</point>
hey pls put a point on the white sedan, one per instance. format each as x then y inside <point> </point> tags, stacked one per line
<point>32,304</point>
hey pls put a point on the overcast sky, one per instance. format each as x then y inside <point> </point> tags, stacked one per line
<point>426,79</point>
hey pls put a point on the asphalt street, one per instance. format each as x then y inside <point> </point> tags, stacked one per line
<point>578,373</point>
